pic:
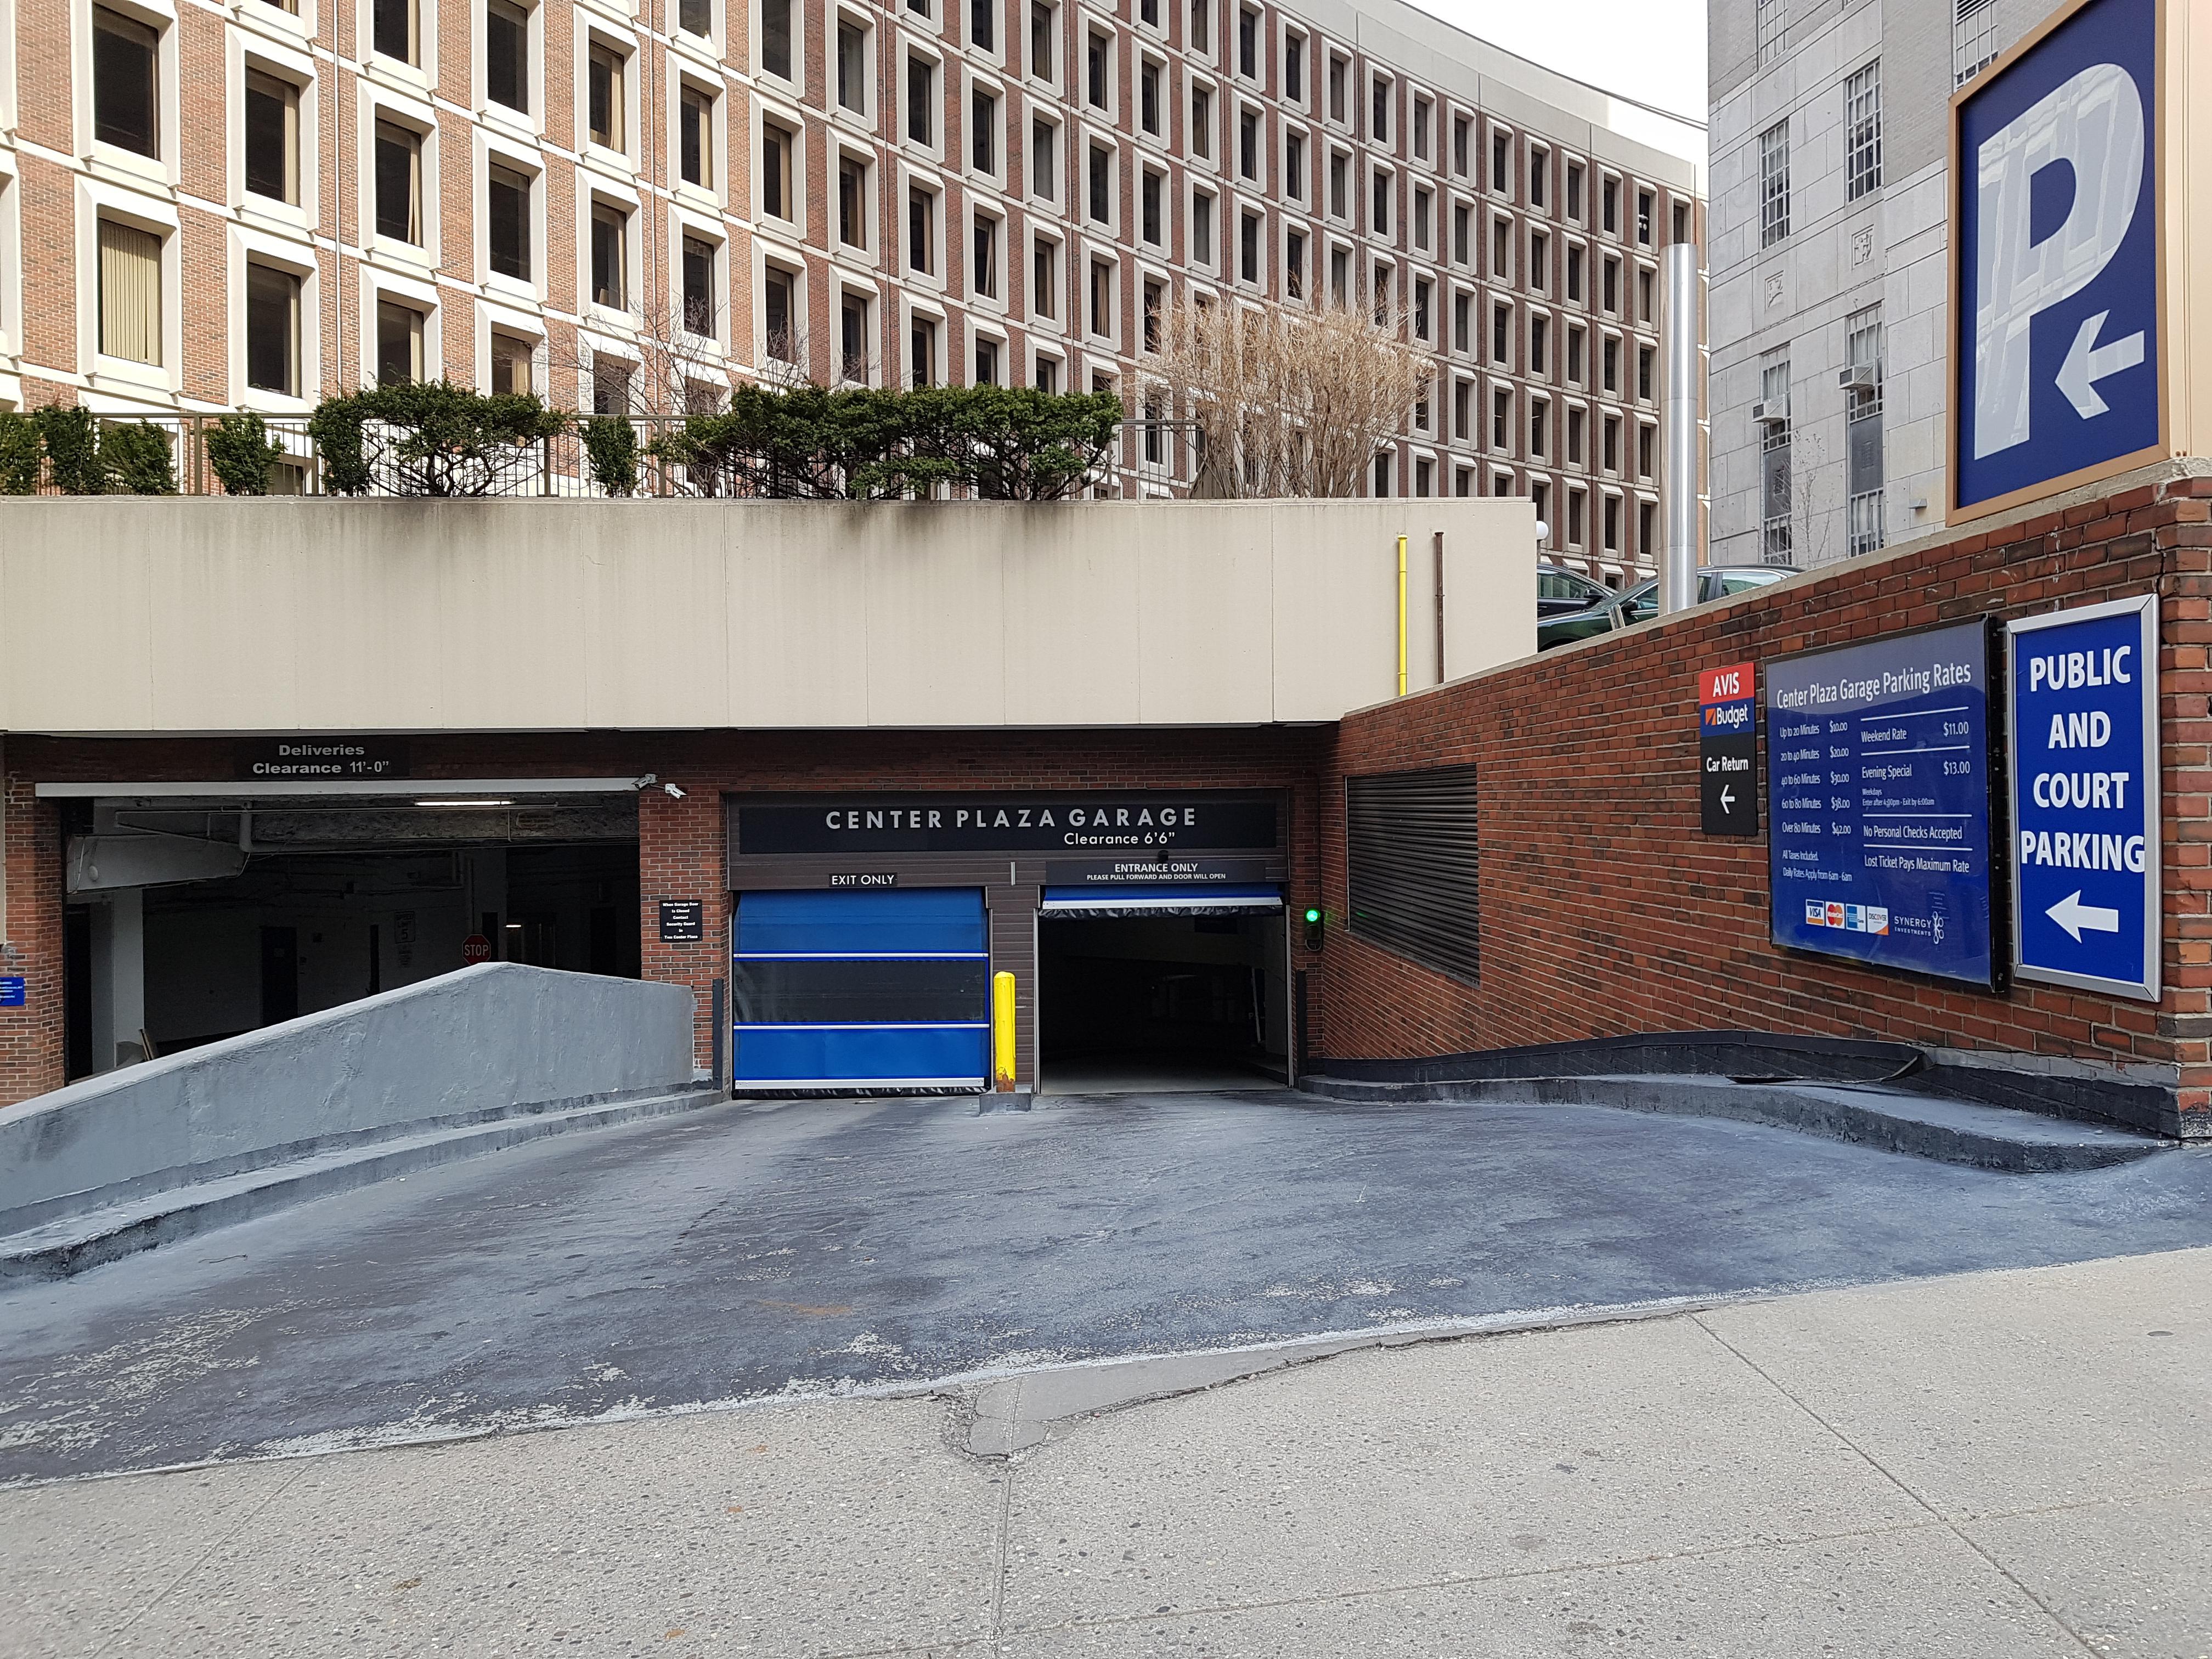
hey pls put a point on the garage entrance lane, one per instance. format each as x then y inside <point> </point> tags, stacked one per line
<point>746,1250</point>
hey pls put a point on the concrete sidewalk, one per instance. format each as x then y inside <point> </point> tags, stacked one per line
<point>1999,1464</point>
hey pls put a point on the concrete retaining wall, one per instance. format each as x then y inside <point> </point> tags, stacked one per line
<point>476,1043</point>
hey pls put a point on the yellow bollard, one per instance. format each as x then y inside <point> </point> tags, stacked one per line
<point>1401,616</point>
<point>1002,1030</point>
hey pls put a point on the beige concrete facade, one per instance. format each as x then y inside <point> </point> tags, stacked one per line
<point>120,615</point>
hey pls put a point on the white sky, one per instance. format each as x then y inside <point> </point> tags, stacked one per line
<point>1651,50</point>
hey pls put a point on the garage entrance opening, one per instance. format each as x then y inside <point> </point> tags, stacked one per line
<point>1160,994</point>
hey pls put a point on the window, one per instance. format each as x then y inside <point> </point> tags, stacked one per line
<point>1382,295</point>
<point>1644,358</point>
<point>1644,306</point>
<point>1501,251</point>
<point>776,146</point>
<point>1539,340</point>
<point>1101,298</point>
<point>1148,98</point>
<point>1338,69</point>
<point>982,25</point>
<point>1380,129</point>
<point>1646,435</point>
<point>125,69</point>
<point>1423,478</point>
<point>851,68</point>
<point>398,184</point>
<point>924,351</point>
<point>1294,166</point>
<point>507,55</point>
<point>1043,140</point>
<point>1340,275</point>
<point>1379,216</point>
<point>1294,265</point>
<point>513,360</point>
<point>695,17</point>
<point>851,202</point>
<point>1575,260</point>
<point>1294,68</point>
<point>775,37</point>
<point>1610,289</point>
<point>609,261</point>
<point>392,28</point>
<point>1340,172</point>
<point>1462,131</point>
<point>1775,536</point>
<point>1610,379</point>
<point>1041,41</point>
<point>1149,194</point>
<point>1462,308</point>
<point>1574,190</point>
<point>1974,38</point>
<point>1421,292</point>
<point>1540,259</point>
<point>984,132</point>
<point>853,338</point>
<point>272,329</point>
<point>1201,122</point>
<point>1575,499</point>
<point>1383,475</point>
<point>695,138</point>
<point>1501,163</point>
<point>130,293</point>
<point>1539,414</point>
<point>1248,43</point>
<point>605,88</point>
<point>1540,165</point>
<point>1201,38</point>
<point>1575,338</point>
<point>1647,527</point>
<point>920,99</point>
<point>1463,219</point>
<point>987,362</point>
<point>1774,184</point>
<point>272,138</point>
<point>699,306</point>
<point>1863,400</point>
<point>1643,208</point>
<point>1862,132</point>
<point>1769,19</point>
<point>1248,248</point>
<point>1501,335</point>
<point>1462,480</point>
<point>1610,196</point>
<point>780,315</point>
<point>1501,419</point>
<point>1613,524</point>
<point>506,222</point>
<point>920,229</point>
<point>1248,144</point>
<point>1421,129</point>
<point>1421,201</point>
<point>1101,184</point>
<point>1609,443</point>
<point>1095,58</point>
<point>399,343</point>
<point>1681,221</point>
<point>1201,229</point>
<point>1577,421</point>
<point>1043,279</point>
<point>985,275</point>
<point>1463,403</point>
<point>1155,301</point>
<point>1047,374</point>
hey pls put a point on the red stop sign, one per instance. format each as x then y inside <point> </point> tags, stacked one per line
<point>476,948</point>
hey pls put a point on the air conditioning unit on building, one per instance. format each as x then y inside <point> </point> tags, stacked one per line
<point>1859,377</point>
<point>1771,411</point>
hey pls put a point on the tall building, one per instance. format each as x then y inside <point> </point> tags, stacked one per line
<point>207,207</point>
<point>1828,246</point>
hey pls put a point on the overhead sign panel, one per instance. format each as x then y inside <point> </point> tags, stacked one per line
<point>1878,799</point>
<point>2083,701</point>
<point>2056,353</point>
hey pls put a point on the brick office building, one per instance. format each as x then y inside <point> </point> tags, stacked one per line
<point>207,207</point>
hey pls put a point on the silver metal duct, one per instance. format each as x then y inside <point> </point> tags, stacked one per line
<point>1678,575</point>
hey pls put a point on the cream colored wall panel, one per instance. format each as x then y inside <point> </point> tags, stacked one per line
<point>796,628</point>
<point>1208,578</point>
<point>76,619</point>
<point>1075,623</point>
<point>1342,654</point>
<point>936,611</point>
<point>652,584</point>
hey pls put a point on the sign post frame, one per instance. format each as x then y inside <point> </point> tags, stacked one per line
<point>2148,987</point>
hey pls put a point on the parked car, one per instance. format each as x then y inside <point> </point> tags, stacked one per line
<point>1561,592</point>
<point>1641,603</point>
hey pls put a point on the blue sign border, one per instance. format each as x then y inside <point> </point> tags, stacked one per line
<point>1990,84</point>
<point>2148,987</point>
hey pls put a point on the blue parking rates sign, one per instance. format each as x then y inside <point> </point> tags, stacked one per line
<point>2086,797</point>
<point>2056,348</point>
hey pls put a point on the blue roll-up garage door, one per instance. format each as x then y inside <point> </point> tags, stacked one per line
<point>846,991</point>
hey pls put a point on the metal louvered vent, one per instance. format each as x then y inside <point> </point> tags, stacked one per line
<point>1410,838</point>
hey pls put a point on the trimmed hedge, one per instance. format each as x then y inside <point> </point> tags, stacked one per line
<point>431,437</point>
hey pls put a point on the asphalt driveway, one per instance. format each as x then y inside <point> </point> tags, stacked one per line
<point>744,1251</point>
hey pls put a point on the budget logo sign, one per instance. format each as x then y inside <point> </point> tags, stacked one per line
<point>2086,797</point>
<point>2055,349</point>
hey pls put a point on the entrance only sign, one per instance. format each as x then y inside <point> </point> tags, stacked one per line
<point>2086,797</point>
<point>2056,350</point>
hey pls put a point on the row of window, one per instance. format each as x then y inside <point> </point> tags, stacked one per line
<point>1861,154</point>
<point>1782,503</point>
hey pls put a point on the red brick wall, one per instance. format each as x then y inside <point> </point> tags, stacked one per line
<point>31,1037</point>
<point>1605,909</point>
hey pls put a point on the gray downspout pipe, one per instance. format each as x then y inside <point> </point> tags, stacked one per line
<point>1678,575</point>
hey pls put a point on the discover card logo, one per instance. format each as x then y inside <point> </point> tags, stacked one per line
<point>1851,918</point>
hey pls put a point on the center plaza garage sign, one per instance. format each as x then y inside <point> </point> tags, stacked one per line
<point>1107,822</point>
<point>2056,349</point>
<point>1878,759</point>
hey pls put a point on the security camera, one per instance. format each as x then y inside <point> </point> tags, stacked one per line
<point>673,790</point>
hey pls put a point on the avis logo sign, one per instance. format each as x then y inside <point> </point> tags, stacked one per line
<point>2055,351</point>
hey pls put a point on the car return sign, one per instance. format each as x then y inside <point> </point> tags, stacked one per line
<point>2086,797</point>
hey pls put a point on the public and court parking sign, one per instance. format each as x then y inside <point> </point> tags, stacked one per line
<point>2086,793</point>
<point>1878,801</point>
<point>2056,375</point>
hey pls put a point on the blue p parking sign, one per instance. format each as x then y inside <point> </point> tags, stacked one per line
<point>2055,349</point>
<point>2086,797</point>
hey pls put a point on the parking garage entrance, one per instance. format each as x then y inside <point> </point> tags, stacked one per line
<point>1144,932</point>
<point>197,912</point>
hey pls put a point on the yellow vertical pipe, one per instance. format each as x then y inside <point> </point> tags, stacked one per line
<point>1002,1030</point>
<point>1401,616</point>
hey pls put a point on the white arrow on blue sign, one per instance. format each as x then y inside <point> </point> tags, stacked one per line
<point>2087,797</point>
<point>2056,348</point>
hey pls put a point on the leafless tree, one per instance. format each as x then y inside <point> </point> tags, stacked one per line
<point>677,368</point>
<point>1288,400</point>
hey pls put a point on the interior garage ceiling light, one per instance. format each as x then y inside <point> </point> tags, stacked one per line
<point>465,803</point>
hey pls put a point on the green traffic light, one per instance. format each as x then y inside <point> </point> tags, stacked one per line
<point>1313,916</point>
